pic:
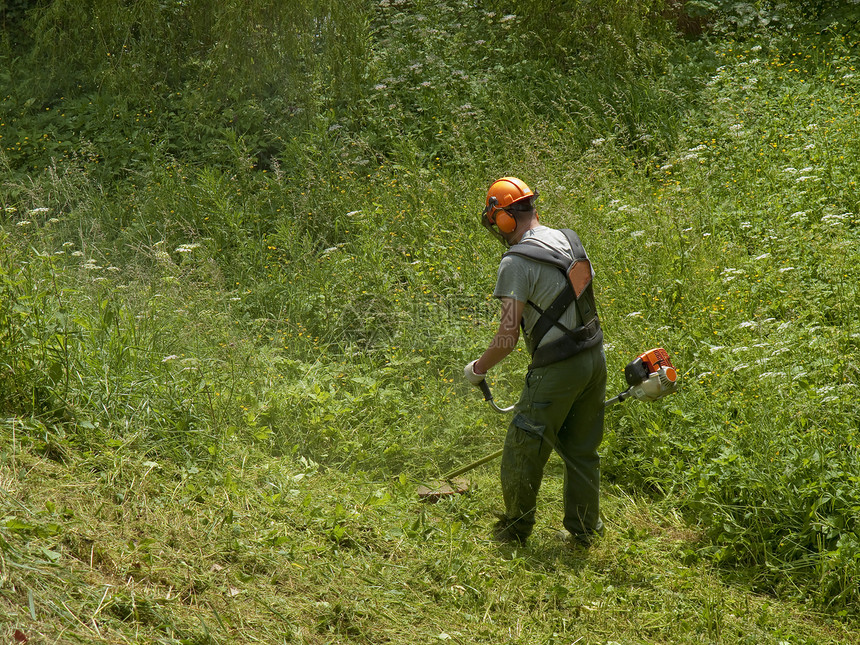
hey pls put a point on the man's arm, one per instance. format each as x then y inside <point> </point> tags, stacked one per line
<point>506,337</point>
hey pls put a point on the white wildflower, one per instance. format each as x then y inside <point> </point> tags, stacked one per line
<point>24,223</point>
<point>633,314</point>
<point>784,269</point>
<point>835,220</point>
<point>763,256</point>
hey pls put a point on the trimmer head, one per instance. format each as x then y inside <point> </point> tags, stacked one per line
<point>456,486</point>
<point>453,483</point>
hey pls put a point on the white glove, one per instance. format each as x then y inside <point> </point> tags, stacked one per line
<point>471,375</point>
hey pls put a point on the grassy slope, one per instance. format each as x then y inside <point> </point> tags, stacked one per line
<point>180,508</point>
<point>285,552</point>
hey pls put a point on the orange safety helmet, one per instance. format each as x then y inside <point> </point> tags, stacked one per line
<point>507,194</point>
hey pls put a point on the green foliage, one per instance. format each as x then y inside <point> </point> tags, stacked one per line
<point>182,80</point>
<point>733,18</point>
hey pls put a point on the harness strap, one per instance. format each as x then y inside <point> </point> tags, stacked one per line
<point>572,343</point>
<point>585,307</point>
<point>552,315</point>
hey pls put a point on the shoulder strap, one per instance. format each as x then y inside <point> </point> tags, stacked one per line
<point>541,253</point>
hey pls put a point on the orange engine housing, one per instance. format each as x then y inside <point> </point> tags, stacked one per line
<point>648,363</point>
<point>656,358</point>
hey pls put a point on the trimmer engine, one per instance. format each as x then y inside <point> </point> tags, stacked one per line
<point>651,376</point>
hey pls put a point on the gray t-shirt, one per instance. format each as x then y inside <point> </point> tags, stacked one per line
<point>528,280</point>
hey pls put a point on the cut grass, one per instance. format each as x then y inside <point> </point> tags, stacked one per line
<point>271,551</point>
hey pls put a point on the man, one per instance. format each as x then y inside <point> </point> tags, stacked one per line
<point>562,402</point>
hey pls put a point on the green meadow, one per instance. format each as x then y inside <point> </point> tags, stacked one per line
<point>242,268</point>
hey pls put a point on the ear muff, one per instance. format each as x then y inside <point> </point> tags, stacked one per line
<point>505,221</point>
<point>498,217</point>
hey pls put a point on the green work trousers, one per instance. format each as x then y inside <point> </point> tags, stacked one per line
<point>561,409</point>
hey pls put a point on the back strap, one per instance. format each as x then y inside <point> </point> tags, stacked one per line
<point>578,288</point>
<point>570,344</point>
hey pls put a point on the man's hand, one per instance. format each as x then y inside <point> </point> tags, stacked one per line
<point>471,375</point>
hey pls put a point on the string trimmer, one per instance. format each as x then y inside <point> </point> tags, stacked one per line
<point>650,376</point>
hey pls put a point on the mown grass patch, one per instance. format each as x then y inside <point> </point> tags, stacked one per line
<point>291,552</point>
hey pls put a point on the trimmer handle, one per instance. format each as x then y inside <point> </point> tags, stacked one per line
<point>488,397</point>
